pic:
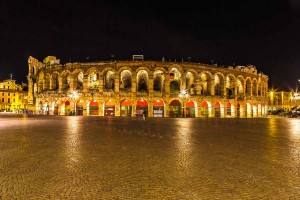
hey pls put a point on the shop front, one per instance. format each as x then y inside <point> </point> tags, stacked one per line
<point>158,109</point>
<point>109,109</point>
<point>190,109</point>
<point>93,108</point>
<point>125,108</point>
<point>174,109</point>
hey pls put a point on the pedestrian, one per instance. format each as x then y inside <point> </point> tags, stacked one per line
<point>142,114</point>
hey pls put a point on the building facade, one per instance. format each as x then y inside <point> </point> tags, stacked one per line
<point>12,96</point>
<point>124,88</point>
<point>282,101</point>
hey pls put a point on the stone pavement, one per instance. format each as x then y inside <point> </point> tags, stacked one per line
<point>76,157</point>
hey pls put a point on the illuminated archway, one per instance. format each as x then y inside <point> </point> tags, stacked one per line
<point>204,109</point>
<point>109,109</point>
<point>125,108</point>
<point>67,108</point>
<point>228,109</point>
<point>158,109</point>
<point>142,105</point>
<point>93,108</point>
<point>79,107</point>
<point>174,108</point>
<point>217,107</point>
<point>190,109</point>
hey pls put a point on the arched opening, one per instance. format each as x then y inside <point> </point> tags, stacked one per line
<point>174,86</point>
<point>67,108</point>
<point>125,108</point>
<point>93,108</point>
<point>204,109</point>
<point>142,81</point>
<point>79,107</point>
<point>228,109</point>
<point>217,109</point>
<point>109,109</point>
<point>190,109</point>
<point>142,107</point>
<point>174,109</point>
<point>158,81</point>
<point>158,109</point>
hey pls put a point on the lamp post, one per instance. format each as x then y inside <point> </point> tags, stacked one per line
<point>73,96</point>
<point>183,95</point>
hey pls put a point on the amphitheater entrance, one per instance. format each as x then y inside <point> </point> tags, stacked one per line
<point>204,109</point>
<point>174,109</point>
<point>158,109</point>
<point>67,108</point>
<point>190,109</point>
<point>228,109</point>
<point>142,105</point>
<point>79,107</point>
<point>217,107</point>
<point>93,108</point>
<point>109,109</point>
<point>125,108</point>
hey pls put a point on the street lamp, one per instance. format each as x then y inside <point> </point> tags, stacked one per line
<point>73,96</point>
<point>183,95</point>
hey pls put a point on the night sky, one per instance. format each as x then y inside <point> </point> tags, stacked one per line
<point>263,33</point>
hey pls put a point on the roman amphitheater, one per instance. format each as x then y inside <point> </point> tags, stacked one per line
<point>159,88</point>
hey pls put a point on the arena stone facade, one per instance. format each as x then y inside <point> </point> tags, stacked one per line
<point>123,88</point>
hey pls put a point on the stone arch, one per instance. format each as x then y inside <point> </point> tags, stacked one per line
<point>230,86</point>
<point>77,76</point>
<point>65,75</point>
<point>240,85</point>
<point>248,86</point>
<point>205,78</point>
<point>126,78</point>
<point>93,78</point>
<point>175,80</point>
<point>218,109</point>
<point>54,81</point>
<point>109,80</point>
<point>174,108</point>
<point>254,87</point>
<point>219,84</point>
<point>158,80</point>
<point>93,107</point>
<point>190,81</point>
<point>142,80</point>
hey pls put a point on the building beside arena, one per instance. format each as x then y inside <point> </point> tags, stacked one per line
<point>159,88</point>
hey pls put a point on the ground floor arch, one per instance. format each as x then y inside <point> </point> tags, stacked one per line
<point>217,109</point>
<point>142,107</point>
<point>174,109</point>
<point>158,108</point>
<point>109,108</point>
<point>93,107</point>
<point>190,110</point>
<point>79,107</point>
<point>125,108</point>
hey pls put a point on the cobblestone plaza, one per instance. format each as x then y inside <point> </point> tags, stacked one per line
<point>93,157</point>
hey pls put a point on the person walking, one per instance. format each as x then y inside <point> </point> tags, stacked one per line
<point>142,114</point>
